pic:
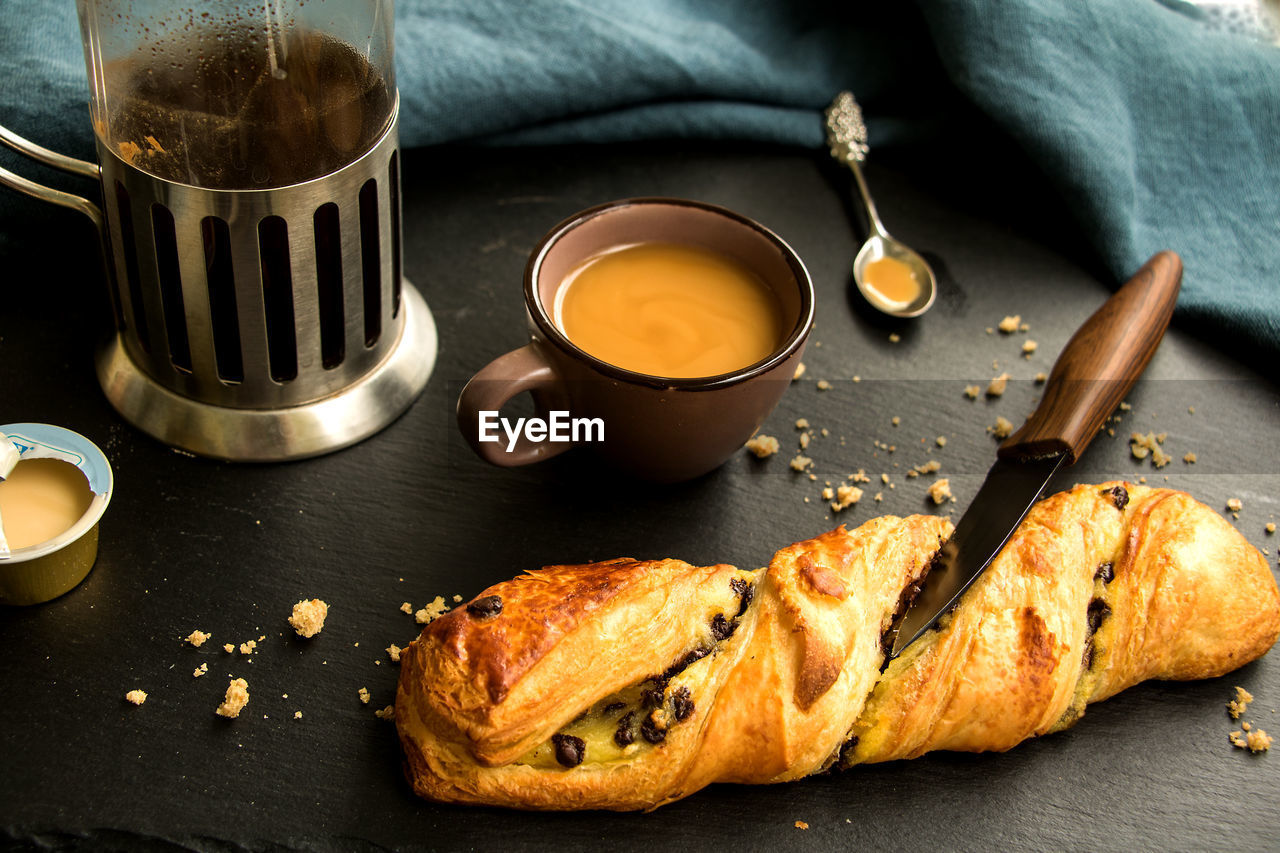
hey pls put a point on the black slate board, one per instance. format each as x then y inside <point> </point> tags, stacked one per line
<point>410,514</point>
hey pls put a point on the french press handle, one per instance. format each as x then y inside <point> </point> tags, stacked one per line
<point>14,181</point>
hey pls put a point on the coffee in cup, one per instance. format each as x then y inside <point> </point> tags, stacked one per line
<point>669,309</point>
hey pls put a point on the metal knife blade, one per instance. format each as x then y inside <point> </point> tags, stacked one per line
<point>999,507</point>
<point>1092,375</point>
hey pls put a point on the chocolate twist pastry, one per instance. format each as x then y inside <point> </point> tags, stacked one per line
<point>629,684</point>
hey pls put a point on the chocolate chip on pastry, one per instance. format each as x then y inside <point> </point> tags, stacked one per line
<point>485,606</point>
<point>1119,496</point>
<point>570,750</point>
<point>629,684</point>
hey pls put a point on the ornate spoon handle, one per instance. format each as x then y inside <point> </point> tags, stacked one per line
<point>847,139</point>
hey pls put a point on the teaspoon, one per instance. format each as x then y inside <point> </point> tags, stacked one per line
<point>890,275</point>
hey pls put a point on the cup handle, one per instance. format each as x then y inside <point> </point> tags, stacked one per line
<point>499,381</point>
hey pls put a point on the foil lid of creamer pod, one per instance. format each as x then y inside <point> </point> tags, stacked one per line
<point>45,441</point>
<point>9,456</point>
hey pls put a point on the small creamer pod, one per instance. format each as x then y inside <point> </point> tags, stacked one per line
<point>43,571</point>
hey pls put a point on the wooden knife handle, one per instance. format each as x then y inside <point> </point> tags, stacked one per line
<point>1100,364</point>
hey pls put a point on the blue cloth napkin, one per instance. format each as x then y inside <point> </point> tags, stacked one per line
<point>1154,128</point>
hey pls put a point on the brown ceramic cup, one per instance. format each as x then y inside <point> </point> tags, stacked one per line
<point>656,428</point>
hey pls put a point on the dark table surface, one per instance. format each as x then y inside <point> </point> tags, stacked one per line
<point>410,514</point>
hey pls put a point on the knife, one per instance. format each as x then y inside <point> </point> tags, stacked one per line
<point>1092,375</point>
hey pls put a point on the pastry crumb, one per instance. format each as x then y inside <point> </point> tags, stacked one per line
<point>432,611</point>
<point>228,648</point>
<point>200,670</point>
<point>997,385</point>
<point>1144,445</point>
<point>801,463</point>
<point>941,441</point>
<point>1042,378</point>
<point>308,617</point>
<point>802,423</point>
<point>393,651</point>
<point>1270,528</point>
<point>930,467</point>
<point>801,825</point>
<point>824,385</point>
<point>972,391</point>
<point>845,497</point>
<point>137,697</point>
<point>1029,348</point>
<point>297,715</point>
<point>762,445</point>
<point>1240,704</point>
<point>940,491</point>
<point>363,693</point>
<point>799,371</point>
<point>1003,427</point>
<point>387,713</point>
<point>1258,741</point>
<point>1010,324</point>
<point>1254,741</point>
<point>1189,458</point>
<point>197,638</point>
<point>1235,504</point>
<point>236,698</point>
<point>247,648</point>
